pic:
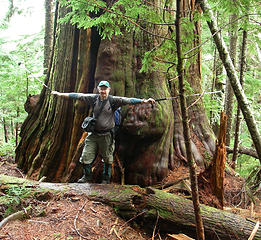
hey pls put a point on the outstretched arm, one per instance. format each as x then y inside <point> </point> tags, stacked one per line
<point>86,97</point>
<point>70,95</point>
<point>120,101</point>
<point>138,100</point>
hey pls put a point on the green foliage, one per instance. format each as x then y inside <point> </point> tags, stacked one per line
<point>17,192</point>
<point>109,20</point>
<point>161,57</point>
<point>213,104</point>
<point>7,149</point>
<point>254,178</point>
<point>245,165</point>
<point>248,17</point>
<point>29,51</point>
<point>147,61</point>
<point>15,82</point>
<point>14,197</point>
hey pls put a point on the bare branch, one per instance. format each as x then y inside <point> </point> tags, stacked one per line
<point>244,150</point>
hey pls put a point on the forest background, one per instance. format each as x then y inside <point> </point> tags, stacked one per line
<point>22,41</point>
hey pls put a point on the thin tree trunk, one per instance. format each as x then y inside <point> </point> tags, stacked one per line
<point>17,126</point>
<point>238,118</point>
<point>213,83</point>
<point>48,38</point>
<point>229,102</point>
<point>186,130</point>
<point>11,128</point>
<point>217,84</point>
<point>232,75</point>
<point>5,130</point>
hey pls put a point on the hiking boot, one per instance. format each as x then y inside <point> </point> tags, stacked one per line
<point>87,176</point>
<point>106,176</point>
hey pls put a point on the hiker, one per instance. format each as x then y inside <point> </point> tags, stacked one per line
<point>101,139</point>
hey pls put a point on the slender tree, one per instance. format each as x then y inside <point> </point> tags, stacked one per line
<point>232,75</point>
<point>217,84</point>
<point>238,118</point>
<point>186,130</point>
<point>5,129</point>
<point>229,101</point>
<point>48,33</point>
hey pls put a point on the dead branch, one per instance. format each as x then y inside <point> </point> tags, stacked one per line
<point>254,231</point>
<point>244,150</point>
<point>15,216</point>
<point>75,221</point>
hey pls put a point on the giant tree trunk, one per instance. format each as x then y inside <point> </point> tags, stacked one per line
<point>50,134</point>
<point>152,139</point>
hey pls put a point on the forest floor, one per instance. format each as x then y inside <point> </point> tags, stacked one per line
<point>64,217</point>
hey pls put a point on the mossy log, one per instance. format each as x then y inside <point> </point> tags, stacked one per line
<point>149,207</point>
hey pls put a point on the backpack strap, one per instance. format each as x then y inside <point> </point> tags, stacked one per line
<point>95,101</point>
<point>110,97</point>
<point>101,107</point>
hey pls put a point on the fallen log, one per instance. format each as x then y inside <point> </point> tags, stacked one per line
<point>172,213</point>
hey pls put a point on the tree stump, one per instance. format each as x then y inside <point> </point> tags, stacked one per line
<point>217,174</point>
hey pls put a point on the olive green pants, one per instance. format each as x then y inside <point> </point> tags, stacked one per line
<point>94,144</point>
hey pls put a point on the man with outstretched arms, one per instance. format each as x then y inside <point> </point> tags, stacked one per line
<point>101,140</point>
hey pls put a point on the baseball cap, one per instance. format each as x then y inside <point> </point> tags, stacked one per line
<point>104,83</point>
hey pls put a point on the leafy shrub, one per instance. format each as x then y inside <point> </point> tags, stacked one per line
<point>7,149</point>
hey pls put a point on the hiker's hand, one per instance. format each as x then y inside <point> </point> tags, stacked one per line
<point>149,100</point>
<point>55,93</point>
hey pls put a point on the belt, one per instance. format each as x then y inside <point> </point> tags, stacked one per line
<point>103,131</point>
